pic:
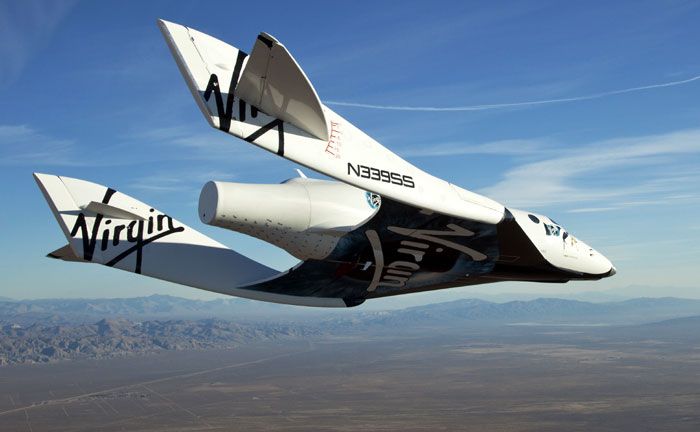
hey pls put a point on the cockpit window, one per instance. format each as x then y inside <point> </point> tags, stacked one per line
<point>552,230</point>
<point>533,218</point>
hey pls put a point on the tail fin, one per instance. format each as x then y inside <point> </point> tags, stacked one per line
<point>107,227</point>
<point>269,80</point>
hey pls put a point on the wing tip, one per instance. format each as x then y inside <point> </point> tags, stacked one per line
<point>166,26</point>
<point>41,177</point>
<point>268,39</point>
<point>65,253</point>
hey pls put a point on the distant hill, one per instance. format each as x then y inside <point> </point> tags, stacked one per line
<point>634,291</point>
<point>109,338</point>
<point>676,328</point>
<point>41,331</point>
<point>677,322</point>
<point>71,311</point>
<point>539,311</point>
<point>161,307</point>
<point>571,292</point>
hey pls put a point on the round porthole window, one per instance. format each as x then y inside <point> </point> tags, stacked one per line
<point>533,218</point>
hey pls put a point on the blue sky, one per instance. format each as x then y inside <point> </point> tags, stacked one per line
<point>89,90</point>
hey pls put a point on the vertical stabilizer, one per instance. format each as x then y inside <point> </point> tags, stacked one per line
<point>269,80</point>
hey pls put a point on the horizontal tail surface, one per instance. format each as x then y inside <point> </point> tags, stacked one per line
<point>108,227</point>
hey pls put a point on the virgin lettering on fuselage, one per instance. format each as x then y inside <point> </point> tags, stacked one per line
<point>421,250</point>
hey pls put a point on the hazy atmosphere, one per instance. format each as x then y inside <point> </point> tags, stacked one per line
<point>588,114</point>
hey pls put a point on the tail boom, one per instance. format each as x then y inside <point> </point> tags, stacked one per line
<point>137,238</point>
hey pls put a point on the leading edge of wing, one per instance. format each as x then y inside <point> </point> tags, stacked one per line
<point>138,238</point>
<point>348,155</point>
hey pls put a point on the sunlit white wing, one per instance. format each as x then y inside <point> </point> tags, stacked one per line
<point>266,99</point>
<point>107,227</point>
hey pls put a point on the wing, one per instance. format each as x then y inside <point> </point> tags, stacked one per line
<point>107,227</point>
<point>399,250</point>
<point>266,99</point>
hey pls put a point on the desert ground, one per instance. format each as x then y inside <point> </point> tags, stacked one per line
<point>497,378</point>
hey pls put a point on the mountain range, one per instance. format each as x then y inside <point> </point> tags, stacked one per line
<point>110,338</point>
<point>39,331</point>
<point>71,311</point>
<point>163,307</point>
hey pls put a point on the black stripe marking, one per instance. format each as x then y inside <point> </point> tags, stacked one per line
<point>280,139</point>
<point>108,195</point>
<point>89,242</point>
<point>280,134</point>
<point>225,114</point>
<point>137,247</point>
<point>265,40</point>
<point>241,110</point>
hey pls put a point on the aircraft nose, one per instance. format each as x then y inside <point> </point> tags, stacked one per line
<point>604,267</point>
<point>611,270</point>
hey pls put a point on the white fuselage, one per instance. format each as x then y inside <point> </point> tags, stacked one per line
<point>559,247</point>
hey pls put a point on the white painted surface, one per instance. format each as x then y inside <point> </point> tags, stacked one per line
<point>567,253</point>
<point>348,147</point>
<point>303,216</point>
<point>173,252</point>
